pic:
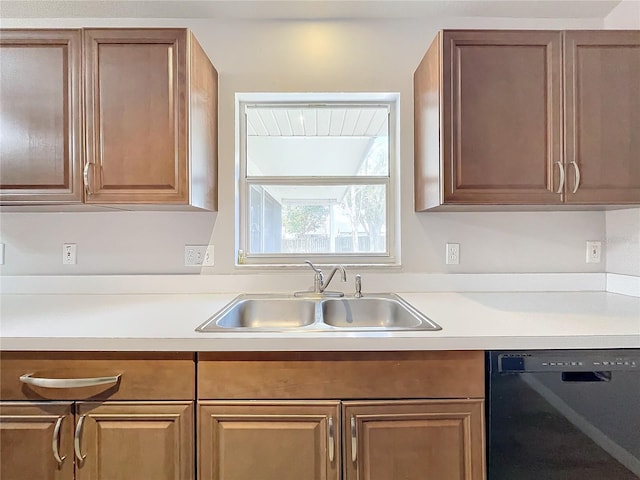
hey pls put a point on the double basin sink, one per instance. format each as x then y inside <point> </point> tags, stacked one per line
<point>278,313</point>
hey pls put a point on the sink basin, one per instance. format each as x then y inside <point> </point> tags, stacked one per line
<point>386,313</point>
<point>263,313</point>
<point>278,313</point>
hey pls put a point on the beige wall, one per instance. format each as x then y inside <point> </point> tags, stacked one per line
<point>304,56</point>
<point>625,15</point>
<point>623,226</point>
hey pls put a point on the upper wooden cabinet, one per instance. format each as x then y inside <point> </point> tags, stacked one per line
<point>602,117</point>
<point>150,120</point>
<point>494,124</point>
<point>40,116</point>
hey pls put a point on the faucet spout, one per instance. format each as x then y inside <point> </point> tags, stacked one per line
<point>343,275</point>
<point>319,283</point>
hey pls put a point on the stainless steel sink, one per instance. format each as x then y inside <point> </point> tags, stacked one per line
<point>379,313</point>
<point>263,313</point>
<point>278,313</point>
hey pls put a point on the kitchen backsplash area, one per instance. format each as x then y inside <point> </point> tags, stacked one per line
<point>348,55</point>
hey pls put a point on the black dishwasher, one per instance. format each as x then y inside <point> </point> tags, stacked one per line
<point>563,415</point>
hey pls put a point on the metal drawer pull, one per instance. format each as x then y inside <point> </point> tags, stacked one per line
<point>354,440</point>
<point>67,382</point>
<point>577,184</point>
<point>332,442</point>
<point>76,440</point>
<point>55,442</point>
<point>561,184</point>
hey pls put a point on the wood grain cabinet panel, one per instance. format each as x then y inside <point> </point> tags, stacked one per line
<point>269,440</point>
<point>145,89</point>
<point>126,119</point>
<point>602,121</point>
<point>40,117</point>
<point>488,119</point>
<point>135,440</point>
<point>528,118</point>
<point>140,426</point>
<point>279,424</point>
<point>36,441</point>
<point>414,440</point>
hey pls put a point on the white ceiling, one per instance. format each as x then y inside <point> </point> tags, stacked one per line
<point>335,122</point>
<point>304,9</point>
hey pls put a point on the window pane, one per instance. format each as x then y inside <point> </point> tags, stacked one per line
<point>318,219</point>
<point>317,141</point>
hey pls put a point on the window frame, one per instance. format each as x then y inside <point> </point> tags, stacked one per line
<point>244,183</point>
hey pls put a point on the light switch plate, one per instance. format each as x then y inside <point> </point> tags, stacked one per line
<point>594,252</point>
<point>69,253</point>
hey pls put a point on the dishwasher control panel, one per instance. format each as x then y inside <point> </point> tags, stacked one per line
<point>516,362</point>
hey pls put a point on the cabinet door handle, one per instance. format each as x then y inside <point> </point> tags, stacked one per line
<point>332,442</point>
<point>55,442</point>
<point>76,441</point>
<point>85,176</point>
<point>29,379</point>
<point>577,178</point>
<point>354,440</point>
<point>561,184</point>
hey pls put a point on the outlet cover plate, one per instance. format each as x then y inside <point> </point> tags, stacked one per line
<point>194,255</point>
<point>453,254</point>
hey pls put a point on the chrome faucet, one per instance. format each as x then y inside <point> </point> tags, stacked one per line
<point>319,284</point>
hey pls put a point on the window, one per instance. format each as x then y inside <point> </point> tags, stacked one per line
<point>316,178</point>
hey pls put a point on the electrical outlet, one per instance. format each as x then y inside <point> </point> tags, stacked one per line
<point>69,253</point>
<point>194,255</point>
<point>207,261</point>
<point>594,252</point>
<point>453,254</point>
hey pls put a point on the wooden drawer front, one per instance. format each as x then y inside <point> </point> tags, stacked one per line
<point>345,375</point>
<point>166,376</point>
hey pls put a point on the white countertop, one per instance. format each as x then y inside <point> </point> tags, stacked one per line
<point>470,321</point>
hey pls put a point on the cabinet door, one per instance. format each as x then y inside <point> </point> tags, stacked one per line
<point>602,98</point>
<point>501,113</point>
<point>135,83</point>
<point>269,440</point>
<point>36,441</point>
<point>135,440</point>
<point>414,440</point>
<point>40,117</point>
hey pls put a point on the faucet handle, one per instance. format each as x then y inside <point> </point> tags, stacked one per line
<point>315,269</point>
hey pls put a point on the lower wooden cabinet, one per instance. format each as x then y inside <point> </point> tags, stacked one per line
<point>135,440</point>
<point>97,416</point>
<point>36,440</point>
<point>341,415</point>
<point>269,440</point>
<point>103,441</point>
<point>365,440</point>
<point>414,440</point>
